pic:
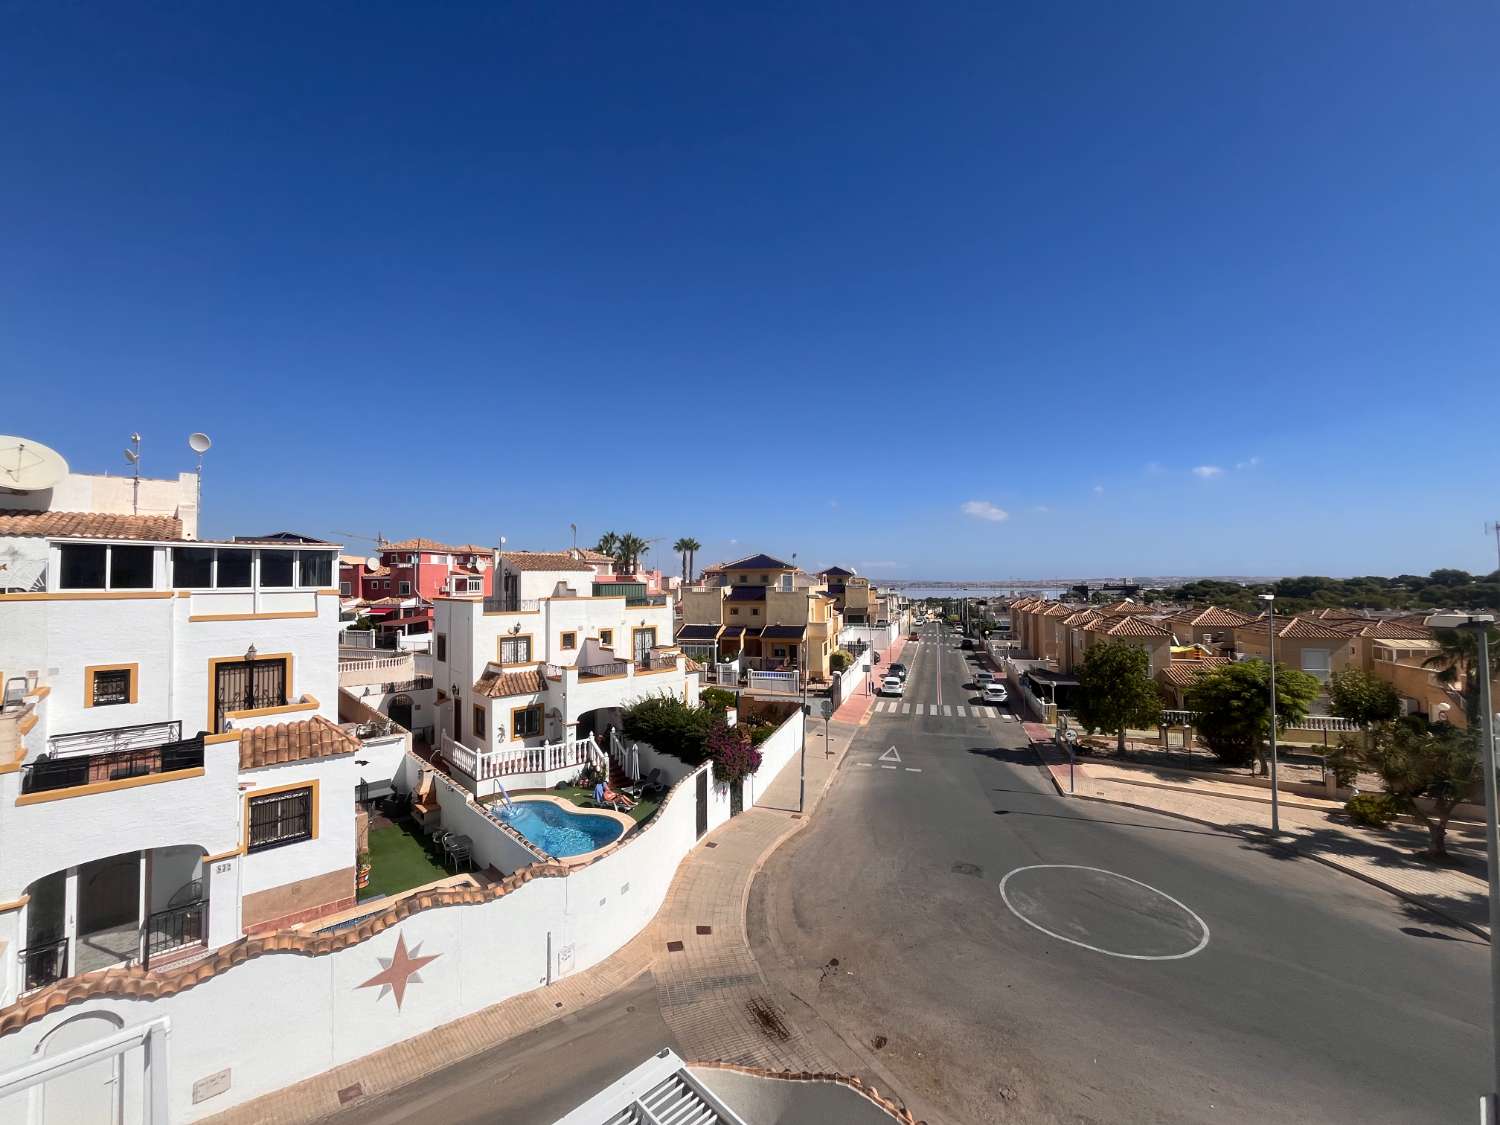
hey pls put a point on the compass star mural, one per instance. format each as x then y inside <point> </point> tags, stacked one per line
<point>399,970</point>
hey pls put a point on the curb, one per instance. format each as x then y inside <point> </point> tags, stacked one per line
<point>1404,895</point>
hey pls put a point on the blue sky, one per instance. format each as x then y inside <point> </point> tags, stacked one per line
<point>852,281</point>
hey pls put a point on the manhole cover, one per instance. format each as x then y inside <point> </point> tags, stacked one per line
<point>350,1093</point>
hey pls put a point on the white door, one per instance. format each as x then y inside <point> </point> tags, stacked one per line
<point>91,1096</point>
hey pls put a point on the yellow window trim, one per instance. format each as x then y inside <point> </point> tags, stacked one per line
<point>289,615</point>
<point>307,703</point>
<point>230,854</point>
<point>213,675</point>
<point>107,786</point>
<point>568,640</point>
<point>311,783</point>
<point>14,904</point>
<point>84,595</point>
<point>541,724</point>
<point>25,725</point>
<point>222,736</point>
<point>530,647</point>
<point>88,681</point>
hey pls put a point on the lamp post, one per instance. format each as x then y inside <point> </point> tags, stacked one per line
<point>1270,600</point>
<point>1480,624</point>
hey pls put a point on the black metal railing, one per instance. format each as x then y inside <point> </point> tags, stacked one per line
<point>142,736</point>
<point>43,964</point>
<point>49,773</point>
<point>176,927</point>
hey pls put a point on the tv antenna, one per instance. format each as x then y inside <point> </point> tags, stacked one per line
<point>29,466</point>
<point>133,459</point>
<point>200,444</point>
<point>1494,529</point>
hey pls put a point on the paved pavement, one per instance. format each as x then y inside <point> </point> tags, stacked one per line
<point>1134,967</point>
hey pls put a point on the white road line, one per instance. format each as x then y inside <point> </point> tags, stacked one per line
<point>960,712</point>
<point>947,710</point>
<point>913,769</point>
<point>906,708</point>
<point>867,765</point>
<point>887,767</point>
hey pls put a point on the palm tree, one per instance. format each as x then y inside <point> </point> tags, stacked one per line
<point>629,551</point>
<point>693,547</point>
<point>1456,660</point>
<point>682,548</point>
<point>609,544</point>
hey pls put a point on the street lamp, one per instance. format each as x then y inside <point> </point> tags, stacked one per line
<point>1270,600</point>
<point>1480,624</point>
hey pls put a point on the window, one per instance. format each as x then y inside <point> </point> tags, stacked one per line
<point>569,641</point>
<point>744,578</point>
<point>515,650</point>
<point>130,567</point>
<point>764,578</point>
<point>526,722</point>
<point>277,819</point>
<point>234,570</point>
<point>315,568</point>
<point>441,642</point>
<point>755,613</point>
<point>478,731</point>
<point>82,567</point>
<point>109,686</point>
<point>734,611</point>
<point>606,637</point>
<point>276,568</point>
<point>406,587</point>
<point>1317,662</point>
<point>193,567</point>
<point>344,589</point>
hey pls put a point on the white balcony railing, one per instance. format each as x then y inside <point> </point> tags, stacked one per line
<point>483,765</point>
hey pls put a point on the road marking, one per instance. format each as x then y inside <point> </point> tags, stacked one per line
<point>947,710</point>
<point>867,765</point>
<point>887,767</point>
<point>906,708</point>
<point>891,755</point>
<point>962,714</point>
<point>913,769</point>
<point>1203,941</point>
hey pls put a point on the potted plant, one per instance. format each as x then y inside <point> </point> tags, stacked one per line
<point>363,859</point>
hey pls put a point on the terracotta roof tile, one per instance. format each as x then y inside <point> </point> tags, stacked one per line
<point>544,560</point>
<point>591,556</point>
<point>1305,628</point>
<point>1386,630</point>
<point>438,548</point>
<point>88,525</point>
<point>1182,673</point>
<point>1130,625</point>
<point>294,742</point>
<point>1213,616</point>
<point>495,684</point>
<point>1124,606</point>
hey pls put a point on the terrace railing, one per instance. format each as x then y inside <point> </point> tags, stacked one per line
<point>46,774</point>
<point>1329,723</point>
<point>114,739</point>
<point>43,964</point>
<point>176,928</point>
<point>483,765</point>
<point>606,668</point>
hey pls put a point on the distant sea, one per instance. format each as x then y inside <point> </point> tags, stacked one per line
<point>979,590</point>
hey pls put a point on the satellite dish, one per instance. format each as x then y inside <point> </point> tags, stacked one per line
<point>27,466</point>
<point>373,563</point>
<point>199,443</point>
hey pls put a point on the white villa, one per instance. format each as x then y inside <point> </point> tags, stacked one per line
<point>531,680</point>
<point>173,774</point>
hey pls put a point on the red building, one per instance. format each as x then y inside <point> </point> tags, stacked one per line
<point>398,592</point>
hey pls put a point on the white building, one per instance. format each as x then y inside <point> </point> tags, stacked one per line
<point>526,677</point>
<point>173,774</point>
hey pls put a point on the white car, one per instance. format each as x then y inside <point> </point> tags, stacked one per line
<point>984,678</point>
<point>996,693</point>
<point>891,685</point>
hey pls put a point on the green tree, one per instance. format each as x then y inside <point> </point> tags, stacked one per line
<point>1233,705</point>
<point>681,547</point>
<point>1115,691</point>
<point>1363,699</point>
<point>693,547</point>
<point>1416,760</point>
<point>1457,660</point>
<point>609,544</point>
<point>629,551</point>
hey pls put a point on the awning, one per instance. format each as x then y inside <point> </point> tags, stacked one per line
<point>699,632</point>
<point>1407,646</point>
<point>784,632</point>
<point>736,631</point>
<point>392,622</point>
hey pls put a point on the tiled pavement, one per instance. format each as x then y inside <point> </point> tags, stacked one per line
<point>711,993</point>
<point>1314,828</point>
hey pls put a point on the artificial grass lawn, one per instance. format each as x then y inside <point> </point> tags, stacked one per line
<point>584,798</point>
<point>399,862</point>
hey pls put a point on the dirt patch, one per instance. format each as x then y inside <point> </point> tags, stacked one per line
<point>768,1018</point>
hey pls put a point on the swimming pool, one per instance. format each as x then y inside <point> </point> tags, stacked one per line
<point>556,830</point>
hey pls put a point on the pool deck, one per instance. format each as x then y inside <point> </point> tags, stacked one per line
<point>567,806</point>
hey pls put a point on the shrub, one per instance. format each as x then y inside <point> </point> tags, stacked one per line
<point>671,726</point>
<point>1371,810</point>
<point>839,661</point>
<point>733,754</point>
<point>716,698</point>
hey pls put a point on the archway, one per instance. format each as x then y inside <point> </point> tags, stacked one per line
<point>400,711</point>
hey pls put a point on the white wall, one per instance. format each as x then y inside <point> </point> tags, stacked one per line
<point>332,850</point>
<point>323,1015</point>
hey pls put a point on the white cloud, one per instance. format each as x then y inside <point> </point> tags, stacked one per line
<point>1248,463</point>
<point>984,510</point>
<point>734,542</point>
<point>1098,490</point>
<point>1155,468</point>
<point>1041,508</point>
<point>1208,472</point>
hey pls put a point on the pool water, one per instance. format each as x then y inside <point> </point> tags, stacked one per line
<point>557,831</point>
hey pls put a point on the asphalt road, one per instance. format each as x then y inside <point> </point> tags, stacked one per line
<point>1271,990</point>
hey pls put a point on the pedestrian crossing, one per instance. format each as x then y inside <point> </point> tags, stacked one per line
<point>941,710</point>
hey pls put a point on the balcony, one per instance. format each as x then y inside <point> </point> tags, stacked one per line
<point>43,964</point>
<point>486,765</point>
<point>510,603</point>
<point>71,770</point>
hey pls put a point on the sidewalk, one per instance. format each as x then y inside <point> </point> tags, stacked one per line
<point>711,993</point>
<point>1311,827</point>
<point>857,706</point>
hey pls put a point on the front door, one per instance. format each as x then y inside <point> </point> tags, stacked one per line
<point>645,641</point>
<point>702,803</point>
<point>109,911</point>
<point>243,685</point>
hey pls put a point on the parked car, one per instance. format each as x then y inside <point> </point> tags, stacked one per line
<point>891,685</point>
<point>996,693</point>
<point>984,677</point>
<point>897,670</point>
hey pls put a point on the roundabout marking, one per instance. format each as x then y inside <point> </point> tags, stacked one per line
<point>1202,925</point>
